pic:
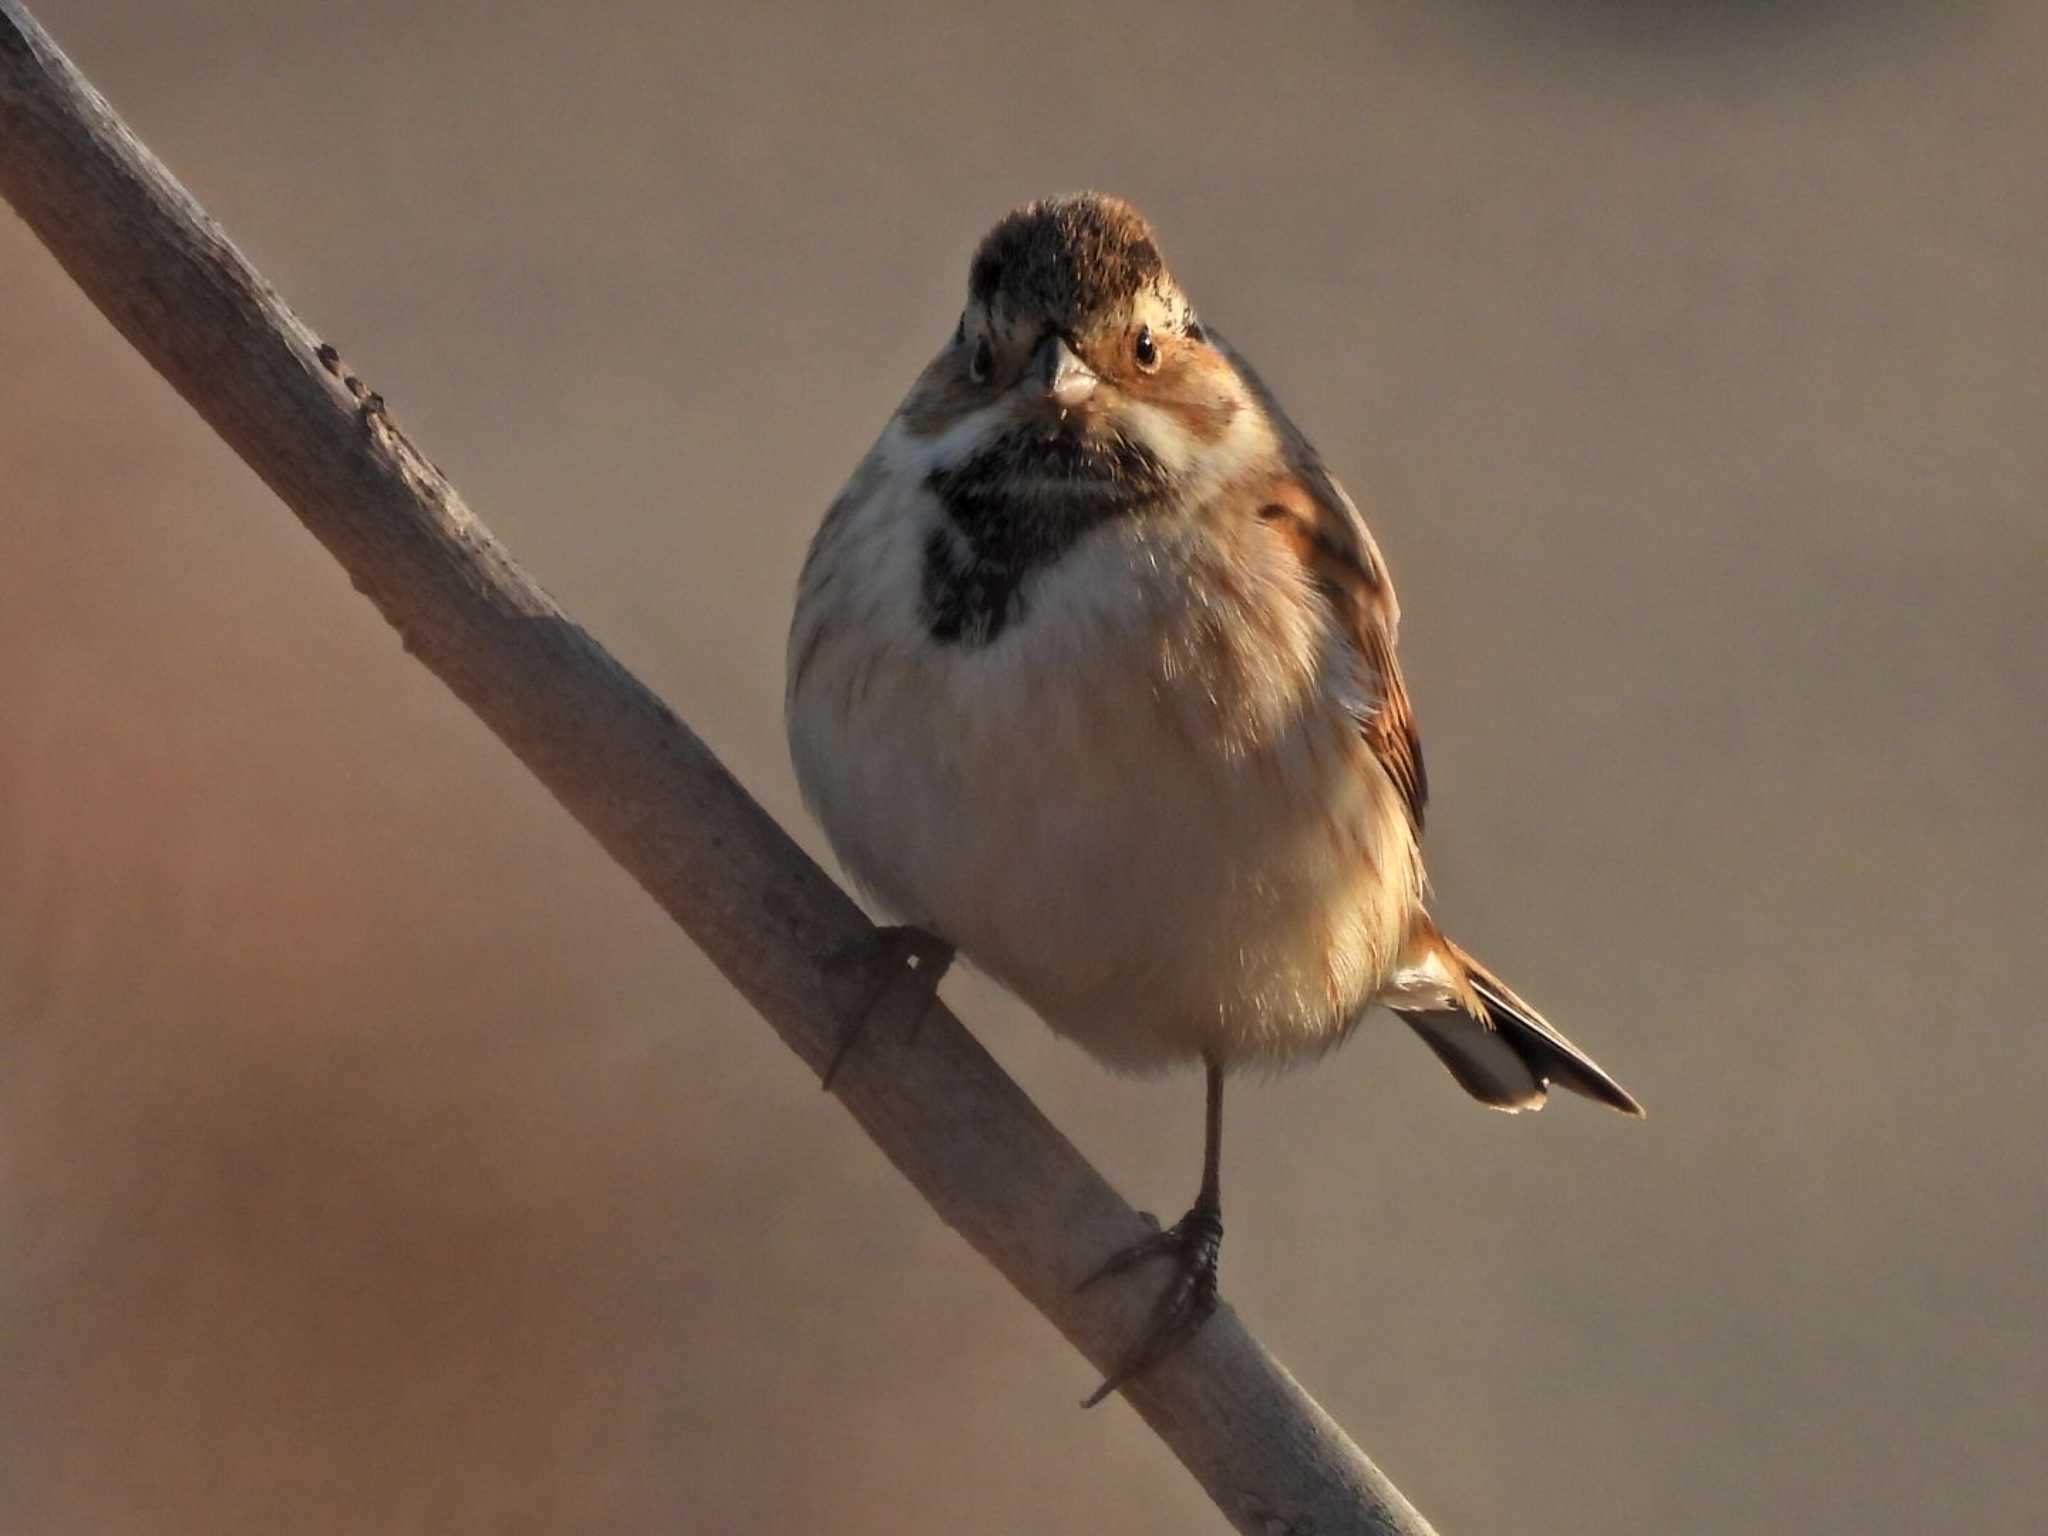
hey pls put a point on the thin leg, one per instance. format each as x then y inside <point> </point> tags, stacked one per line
<point>912,961</point>
<point>1210,1198</point>
<point>1194,1243</point>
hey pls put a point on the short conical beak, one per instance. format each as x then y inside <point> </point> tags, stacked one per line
<point>1066,380</point>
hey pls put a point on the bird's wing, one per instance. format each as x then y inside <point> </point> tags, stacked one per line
<point>1327,533</point>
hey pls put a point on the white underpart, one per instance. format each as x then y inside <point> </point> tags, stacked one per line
<point>906,460</point>
<point>1205,468</point>
<point>1145,807</point>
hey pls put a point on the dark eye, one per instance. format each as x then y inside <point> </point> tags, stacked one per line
<point>983,360</point>
<point>1146,350</point>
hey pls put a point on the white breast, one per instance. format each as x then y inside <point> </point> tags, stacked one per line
<point>1145,807</point>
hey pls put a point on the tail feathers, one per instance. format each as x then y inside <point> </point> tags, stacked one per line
<point>1501,1051</point>
<point>1480,1058</point>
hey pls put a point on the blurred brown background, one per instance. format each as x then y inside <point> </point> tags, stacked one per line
<point>373,1157</point>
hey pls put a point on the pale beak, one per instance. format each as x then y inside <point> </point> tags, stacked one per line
<point>1066,380</point>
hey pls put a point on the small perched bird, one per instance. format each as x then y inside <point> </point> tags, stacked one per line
<point>1092,679</point>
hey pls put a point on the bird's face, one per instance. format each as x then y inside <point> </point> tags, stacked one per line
<point>1078,376</point>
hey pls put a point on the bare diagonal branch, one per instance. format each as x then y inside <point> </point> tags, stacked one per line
<point>643,784</point>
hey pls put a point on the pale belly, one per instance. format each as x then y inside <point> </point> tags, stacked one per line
<point>1161,870</point>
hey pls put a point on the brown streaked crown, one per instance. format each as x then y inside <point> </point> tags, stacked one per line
<point>1071,259</point>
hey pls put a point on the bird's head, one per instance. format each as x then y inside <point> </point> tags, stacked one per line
<point>1078,362</point>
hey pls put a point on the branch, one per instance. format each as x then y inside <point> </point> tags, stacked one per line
<point>646,788</point>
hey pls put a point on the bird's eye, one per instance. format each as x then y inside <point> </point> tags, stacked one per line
<point>983,360</point>
<point>1146,349</point>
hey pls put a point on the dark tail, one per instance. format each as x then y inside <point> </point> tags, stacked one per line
<point>1501,1051</point>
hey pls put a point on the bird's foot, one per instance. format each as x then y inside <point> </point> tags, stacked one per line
<point>1194,1244</point>
<point>911,963</point>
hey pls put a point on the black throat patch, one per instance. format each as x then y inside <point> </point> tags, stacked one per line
<point>1014,509</point>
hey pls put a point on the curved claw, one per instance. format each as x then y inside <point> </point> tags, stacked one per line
<point>1195,1243</point>
<point>1158,1245</point>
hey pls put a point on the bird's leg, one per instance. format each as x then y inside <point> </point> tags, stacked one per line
<point>912,963</point>
<point>1193,1243</point>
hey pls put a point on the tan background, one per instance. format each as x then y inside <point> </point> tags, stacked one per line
<point>374,1157</point>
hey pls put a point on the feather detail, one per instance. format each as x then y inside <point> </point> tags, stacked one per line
<point>1324,530</point>
<point>1501,1051</point>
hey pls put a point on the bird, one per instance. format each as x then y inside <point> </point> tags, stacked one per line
<point>1092,681</point>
